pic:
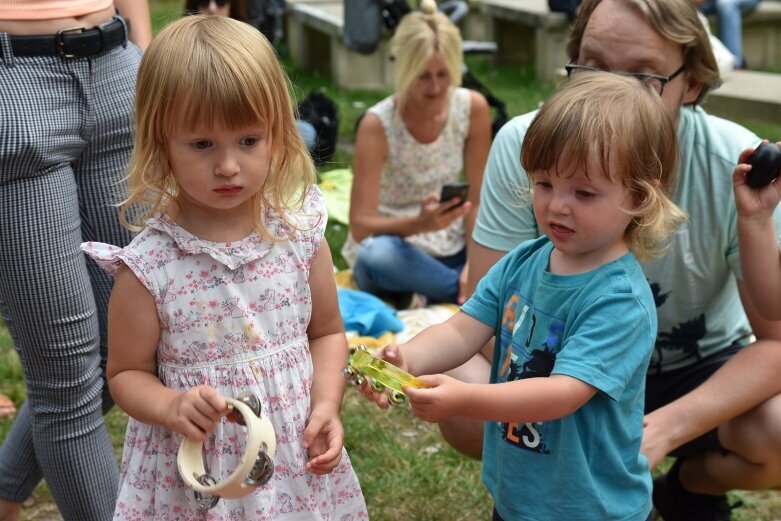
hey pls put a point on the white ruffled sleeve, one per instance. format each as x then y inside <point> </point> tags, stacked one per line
<point>110,258</point>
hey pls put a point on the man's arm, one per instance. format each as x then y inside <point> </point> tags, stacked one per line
<point>745,381</point>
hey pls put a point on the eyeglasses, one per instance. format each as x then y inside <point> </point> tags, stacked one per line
<point>205,3</point>
<point>656,81</point>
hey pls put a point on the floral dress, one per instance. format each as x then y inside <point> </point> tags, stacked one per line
<point>233,316</point>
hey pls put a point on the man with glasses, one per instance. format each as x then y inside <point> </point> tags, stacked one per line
<point>712,397</point>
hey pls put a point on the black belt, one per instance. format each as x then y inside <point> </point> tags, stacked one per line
<point>72,43</point>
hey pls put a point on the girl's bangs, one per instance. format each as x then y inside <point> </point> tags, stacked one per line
<point>210,106</point>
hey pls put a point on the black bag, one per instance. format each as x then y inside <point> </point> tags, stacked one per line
<point>393,11</point>
<point>268,17</point>
<point>568,7</point>
<point>364,21</point>
<point>321,111</point>
<point>362,25</point>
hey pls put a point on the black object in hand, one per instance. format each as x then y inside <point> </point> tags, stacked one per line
<point>765,165</point>
<point>449,191</point>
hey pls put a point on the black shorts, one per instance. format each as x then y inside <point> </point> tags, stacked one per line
<point>664,388</point>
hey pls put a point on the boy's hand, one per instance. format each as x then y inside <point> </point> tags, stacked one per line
<point>195,412</point>
<point>323,438</point>
<point>443,399</point>
<point>753,203</point>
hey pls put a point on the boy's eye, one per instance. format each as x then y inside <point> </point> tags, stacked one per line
<point>585,193</point>
<point>542,184</point>
<point>201,144</point>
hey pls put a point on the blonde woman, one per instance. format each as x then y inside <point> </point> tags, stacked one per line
<point>431,132</point>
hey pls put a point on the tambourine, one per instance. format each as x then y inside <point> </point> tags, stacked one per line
<point>362,364</point>
<point>255,468</point>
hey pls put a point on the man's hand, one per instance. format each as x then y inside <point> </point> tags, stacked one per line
<point>655,445</point>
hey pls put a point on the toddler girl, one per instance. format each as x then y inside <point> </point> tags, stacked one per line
<point>228,288</point>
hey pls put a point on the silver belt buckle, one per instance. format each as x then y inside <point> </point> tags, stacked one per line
<point>59,42</point>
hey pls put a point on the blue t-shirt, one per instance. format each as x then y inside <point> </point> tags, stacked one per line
<point>598,327</point>
<point>695,284</point>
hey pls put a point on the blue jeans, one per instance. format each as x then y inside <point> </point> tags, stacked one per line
<point>730,20</point>
<point>387,265</point>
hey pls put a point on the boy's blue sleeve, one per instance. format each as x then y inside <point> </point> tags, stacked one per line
<point>608,343</point>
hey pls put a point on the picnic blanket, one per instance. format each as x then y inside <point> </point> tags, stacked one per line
<point>335,186</point>
<point>369,320</point>
<point>408,322</point>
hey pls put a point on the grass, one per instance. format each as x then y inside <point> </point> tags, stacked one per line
<point>406,470</point>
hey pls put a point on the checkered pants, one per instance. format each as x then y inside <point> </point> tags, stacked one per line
<point>65,141</point>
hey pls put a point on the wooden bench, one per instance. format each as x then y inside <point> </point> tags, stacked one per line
<point>314,35</point>
<point>747,95</point>
<point>526,30</point>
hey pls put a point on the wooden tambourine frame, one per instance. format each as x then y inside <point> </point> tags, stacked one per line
<point>260,435</point>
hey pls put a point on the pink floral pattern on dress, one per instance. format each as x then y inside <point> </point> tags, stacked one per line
<point>414,169</point>
<point>233,316</point>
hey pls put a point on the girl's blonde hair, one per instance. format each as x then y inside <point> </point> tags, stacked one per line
<point>419,35</point>
<point>201,70</point>
<point>676,20</point>
<point>622,126</point>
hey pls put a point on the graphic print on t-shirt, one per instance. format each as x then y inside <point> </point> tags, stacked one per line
<point>529,341</point>
<point>683,340</point>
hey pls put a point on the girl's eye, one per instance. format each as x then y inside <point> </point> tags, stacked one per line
<point>542,184</point>
<point>201,144</point>
<point>586,194</point>
<point>249,141</point>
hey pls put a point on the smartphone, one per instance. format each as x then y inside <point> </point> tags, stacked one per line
<point>449,191</point>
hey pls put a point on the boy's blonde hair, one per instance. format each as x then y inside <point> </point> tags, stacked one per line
<point>201,70</point>
<point>621,125</point>
<point>419,35</point>
<point>676,20</point>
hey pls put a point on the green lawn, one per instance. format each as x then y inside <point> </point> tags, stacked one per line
<point>406,470</point>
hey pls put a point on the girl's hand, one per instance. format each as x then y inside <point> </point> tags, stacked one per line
<point>444,398</point>
<point>195,412</point>
<point>752,203</point>
<point>435,216</point>
<point>390,353</point>
<point>323,438</point>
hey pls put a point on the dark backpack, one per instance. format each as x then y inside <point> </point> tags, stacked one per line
<point>364,21</point>
<point>268,17</point>
<point>321,111</point>
<point>393,11</point>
